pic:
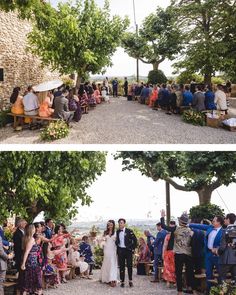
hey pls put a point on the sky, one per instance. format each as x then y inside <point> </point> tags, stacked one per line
<point>121,59</point>
<point>134,196</point>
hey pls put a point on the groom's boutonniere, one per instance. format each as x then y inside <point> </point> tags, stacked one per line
<point>125,234</point>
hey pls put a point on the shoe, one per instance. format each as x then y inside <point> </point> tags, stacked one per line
<point>155,281</point>
<point>122,285</point>
<point>64,281</point>
<point>187,291</point>
<point>131,284</point>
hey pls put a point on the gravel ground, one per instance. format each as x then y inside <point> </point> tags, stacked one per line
<point>125,122</point>
<point>142,286</point>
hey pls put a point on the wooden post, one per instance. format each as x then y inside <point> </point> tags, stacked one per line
<point>168,215</point>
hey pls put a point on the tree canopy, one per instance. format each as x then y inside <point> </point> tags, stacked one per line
<point>77,38</point>
<point>203,23</point>
<point>202,172</point>
<point>157,39</point>
<point>32,182</point>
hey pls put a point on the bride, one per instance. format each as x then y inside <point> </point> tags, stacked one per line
<point>109,264</point>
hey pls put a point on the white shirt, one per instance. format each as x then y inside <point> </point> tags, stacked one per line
<point>122,238</point>
<point>30,102</point>
<point>220,100</point>
<point>211,237</point>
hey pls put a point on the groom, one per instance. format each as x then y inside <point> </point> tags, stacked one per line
<point>126,242</point>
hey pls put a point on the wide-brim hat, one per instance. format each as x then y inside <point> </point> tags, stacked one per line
<point>184,218</point>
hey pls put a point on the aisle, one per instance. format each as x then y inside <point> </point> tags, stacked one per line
<point>142,286</point>
<point>128,122</point>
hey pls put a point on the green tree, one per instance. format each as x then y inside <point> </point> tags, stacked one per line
<point>206,211</point>
<point>77,38</point>
<point>202,172</point>
<point>204,46</point>
<point>156,76</point>
<point>158,39</point>
<point>32,182</point>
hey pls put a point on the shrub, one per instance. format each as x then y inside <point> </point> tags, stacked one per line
<point>206,211</point>
<point>156,77</point>
<point>55,130</point>
<point>68,81</point>
<point>98,256</point>
<point>224,289</point>
<point>4,118</point>
<point>217,80</point>
<point>186,77</point>
<point>194,117</point>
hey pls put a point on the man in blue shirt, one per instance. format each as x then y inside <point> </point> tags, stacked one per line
<point>158,247</point>
<point>187,97</point>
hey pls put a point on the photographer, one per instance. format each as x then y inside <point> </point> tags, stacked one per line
<point>227,249</point>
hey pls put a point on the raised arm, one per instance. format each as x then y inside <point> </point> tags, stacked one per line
<point>163,225</point>
<point>200,226</point>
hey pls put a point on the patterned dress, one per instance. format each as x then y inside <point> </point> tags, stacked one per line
<point>32,281</point>
<point>169,264</point>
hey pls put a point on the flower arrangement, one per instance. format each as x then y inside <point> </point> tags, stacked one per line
<point>55,130</point>
<point>224,289</point>
<point>194,117</point>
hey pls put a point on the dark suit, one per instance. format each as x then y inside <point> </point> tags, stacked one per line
<point>17,239</point>
<point>62,109</point>
<point>125,254</point>
<point>227,259</point>
<point>3,266</point>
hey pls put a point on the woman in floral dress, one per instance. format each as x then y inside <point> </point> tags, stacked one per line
<point>32,277</point>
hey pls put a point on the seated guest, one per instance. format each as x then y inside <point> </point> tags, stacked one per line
<point>31,103</point>
<point>145,94</point>
<point>74,104</point>
<point>86,252</point>
<point>76,261</point>
<point>50,271</point>
<point>150,240</point>
<point>97,94</point>
<point>220,99</point>
<point>209,99</point>
<point>5,241</point>
<point>163,96</point>
<point>17,100</point>
<point>187,97</point>
<point>90,93</point>
<point>144,257</point>
<point>62,109</point>
<point>104,92</point>
<point>171,106</point>
<point>179,97</point>
<point>45,104</point>
<point>83,99</point>
<point>198,102</point>
<point>153,97</point>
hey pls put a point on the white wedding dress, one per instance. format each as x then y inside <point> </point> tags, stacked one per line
<point>109,270</point>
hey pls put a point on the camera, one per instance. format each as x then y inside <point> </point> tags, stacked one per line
<point>230,235</point>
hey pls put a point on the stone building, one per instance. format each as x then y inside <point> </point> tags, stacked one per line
<point>18,66</point>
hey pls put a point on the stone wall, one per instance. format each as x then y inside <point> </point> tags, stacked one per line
<point>20,67</point>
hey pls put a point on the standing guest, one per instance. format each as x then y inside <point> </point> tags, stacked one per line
<point>5,241</point>
<point>130,93</point>
<point>145,94</point>
<point>227,251</point>
<point>74,104</point>
<point>209,99</point>
<point>171,106</point>
<point>164,96</point>
<point>221,99</point>
<point>229,88</point>
<point>109,264</point>
<point>115,85</point>
<point>17,102</point>
<point>17,239</point>
<point>62,108</point>
<point>150,240</point>
<point>144,257</point>
<point>45,104</point>
<point>32,280</point>
<point>86,252</point>
<point>97,94</point>
<point>154,98</point>
<point>198,102</point>
<point>183,252</point>
<point>49,228</point>
<point>179,97</point>
<point>126,243</point>
<point>158,247</point>
<point>187,97</point>
<point>126,84</point>
<point>31,103</point>
<point>107,85</point>
<point>212,243</point>
<point>3,265</point>
<point>169,258</point>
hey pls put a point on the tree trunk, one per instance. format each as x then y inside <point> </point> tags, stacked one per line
<point>207,78</point>
<point>204,195</point>
<point>78,81</point>
<point>155,66</point>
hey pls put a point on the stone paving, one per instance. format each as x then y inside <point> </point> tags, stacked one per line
<point>127,122</point>
<point>142,286</point>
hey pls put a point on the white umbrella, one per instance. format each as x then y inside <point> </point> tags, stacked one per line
<point>49,85</point>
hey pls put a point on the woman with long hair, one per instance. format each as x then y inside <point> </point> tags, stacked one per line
<point>45,104</point>
<point>144,257</point>
<point>17,102</point>
<point>32,278</point>
<point>109,264</point>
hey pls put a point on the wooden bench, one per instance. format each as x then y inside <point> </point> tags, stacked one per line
<point>17,117</point>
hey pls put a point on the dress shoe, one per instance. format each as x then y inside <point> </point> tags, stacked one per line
<point>131,284</point>
<point>155,281</point>
<point>122,285</point>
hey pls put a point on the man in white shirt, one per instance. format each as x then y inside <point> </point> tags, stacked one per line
<point>220,99</point>
<point>31,103</point>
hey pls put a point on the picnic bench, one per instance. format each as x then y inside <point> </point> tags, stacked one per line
<point>17,120</point>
